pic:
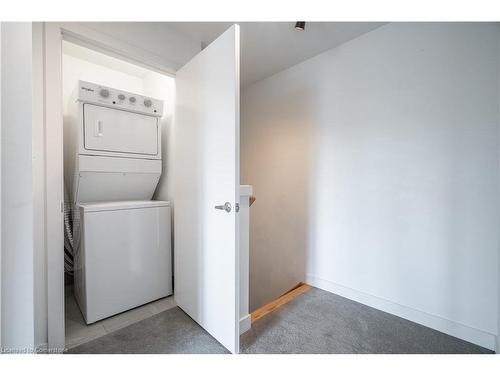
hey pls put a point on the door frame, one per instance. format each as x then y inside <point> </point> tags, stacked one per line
<point>53,36</point>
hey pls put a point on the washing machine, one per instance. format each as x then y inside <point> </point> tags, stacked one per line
<point>121,238</point>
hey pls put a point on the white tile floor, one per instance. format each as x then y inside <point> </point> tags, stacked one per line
<point>78,332</point>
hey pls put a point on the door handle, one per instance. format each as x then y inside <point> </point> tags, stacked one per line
<point>226,207</point>
<point>98,128</point>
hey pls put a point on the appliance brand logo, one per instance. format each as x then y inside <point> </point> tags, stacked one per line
<point>87,89</point>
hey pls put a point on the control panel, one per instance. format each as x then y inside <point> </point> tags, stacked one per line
<point>109,97</point>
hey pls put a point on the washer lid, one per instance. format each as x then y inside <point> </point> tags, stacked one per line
<point>121,205</point>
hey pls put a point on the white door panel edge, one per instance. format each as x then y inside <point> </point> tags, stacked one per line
<point>207,174</point>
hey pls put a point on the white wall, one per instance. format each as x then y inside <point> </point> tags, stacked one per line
<point>375,167</point>
<point>275,132</point>
<point>17,203</point>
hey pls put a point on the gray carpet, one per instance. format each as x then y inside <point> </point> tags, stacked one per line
<point>322,322</point>
<point>314,322</point>
<point>170,332</point>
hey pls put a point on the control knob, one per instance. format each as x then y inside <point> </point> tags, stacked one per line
<point>104,93</point>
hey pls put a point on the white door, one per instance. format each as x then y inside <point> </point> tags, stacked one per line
<point>206,174</point>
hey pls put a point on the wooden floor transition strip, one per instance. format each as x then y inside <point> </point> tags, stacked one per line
<point>280,301</point>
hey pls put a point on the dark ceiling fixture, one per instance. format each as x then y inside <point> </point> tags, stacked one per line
<point>300,25</point>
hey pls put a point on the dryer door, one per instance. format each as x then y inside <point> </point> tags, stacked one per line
<point>114,130</point>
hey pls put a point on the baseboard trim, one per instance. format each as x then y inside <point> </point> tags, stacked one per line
<point>245,324</point>
<point>288,296</point>
<point>452,328</point>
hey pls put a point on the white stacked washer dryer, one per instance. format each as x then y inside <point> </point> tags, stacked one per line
<point>122,246</point>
